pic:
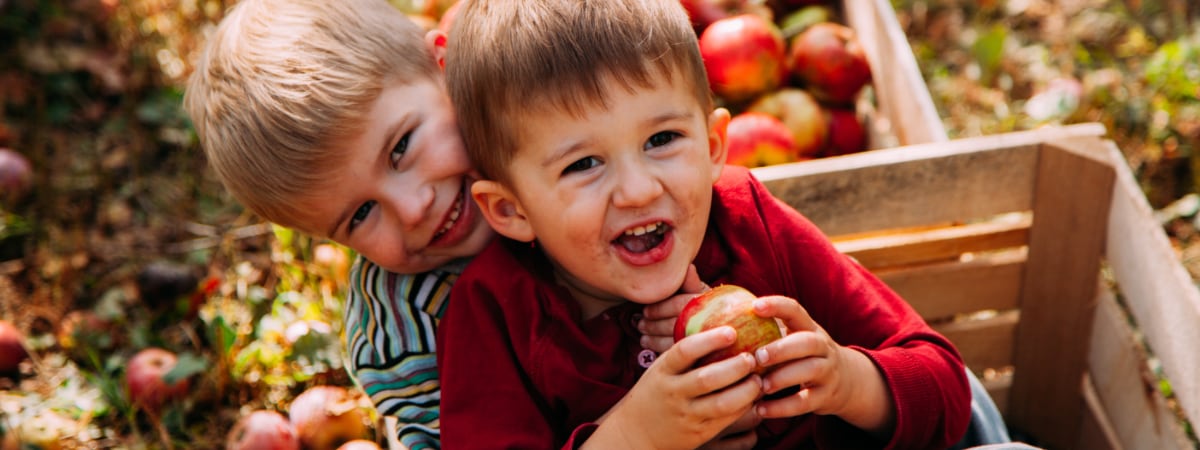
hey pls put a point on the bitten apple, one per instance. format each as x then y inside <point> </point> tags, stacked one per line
<point>758,139</point>
<point>727,305</point>
<point>744,55</point>
<point>830,62</point>
<point>327,416</point>
<point>262,430</point>
<point>145,379</point>
<point>801,113</point>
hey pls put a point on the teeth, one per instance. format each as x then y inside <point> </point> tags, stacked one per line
<point>453,219</point>
<point>638,231</point>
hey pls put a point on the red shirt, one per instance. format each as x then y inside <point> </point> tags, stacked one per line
<point>520,369</point>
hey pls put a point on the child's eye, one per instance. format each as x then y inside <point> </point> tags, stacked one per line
<point>400,149</point>
<point>581,165</point>
<point>361,214</point>
<point>660,139</point>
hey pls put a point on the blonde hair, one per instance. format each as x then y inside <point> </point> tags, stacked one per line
<point>281,81</point>
<point>509,59</point>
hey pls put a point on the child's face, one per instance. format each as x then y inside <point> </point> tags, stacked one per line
<point>400,198</point>
<point>619,197</point>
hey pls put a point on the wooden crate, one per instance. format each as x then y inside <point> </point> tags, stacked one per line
<point>1000,243</point>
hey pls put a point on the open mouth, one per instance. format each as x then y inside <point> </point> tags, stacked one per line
<point>451,218</point>
<point>641,239</point>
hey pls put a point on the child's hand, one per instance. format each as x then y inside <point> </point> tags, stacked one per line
<point>834,380</point>
<point>658,319</point>
<point>738,436</point>
<point>676,406</point>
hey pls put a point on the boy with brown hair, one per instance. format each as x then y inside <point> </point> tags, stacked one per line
<point>331,118</point>
<point>602,159</point>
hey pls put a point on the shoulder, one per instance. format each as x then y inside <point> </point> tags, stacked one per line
<point>503,266</point>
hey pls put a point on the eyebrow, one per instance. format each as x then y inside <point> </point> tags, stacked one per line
<point>650,122</point>
<point>383,154</point>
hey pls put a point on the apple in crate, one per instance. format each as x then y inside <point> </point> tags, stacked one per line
<point>744,55</point>
<point>262,430</point>
<point>730,305</point>
<point>801,113</point>
<point>758,139</point>
<point>847,133</point>
<point>828,60</point>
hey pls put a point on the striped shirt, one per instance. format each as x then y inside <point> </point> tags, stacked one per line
<point>391,328</point>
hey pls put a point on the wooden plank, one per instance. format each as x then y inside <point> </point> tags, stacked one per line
<point>952,181</point>
<point>984,343</point>
<point>1158,290</point>
<point>1125,386</point>
<point>1096,431</point>
<point>1070,211</point>
<point>935,245</point>
<point>938,291</point>
<point>900,91</point>
<point>998,389</point>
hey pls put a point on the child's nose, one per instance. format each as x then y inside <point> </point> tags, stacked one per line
<point>636,187</point>
<point>411,207</point>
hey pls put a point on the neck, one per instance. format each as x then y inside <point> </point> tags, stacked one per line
<point>591,301</point>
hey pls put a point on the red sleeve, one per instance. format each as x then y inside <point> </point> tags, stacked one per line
<point>922,369</point>
<point>488,399</point>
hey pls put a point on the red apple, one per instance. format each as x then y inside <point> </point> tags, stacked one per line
<point>359,444</point>
<point>262,430</point>
<point>16,175</point>
<point>12,348</point>
<point>327,416</point>
<point>727,305</point>
<point>829,61</point>
<point>847,134</point>
<point>759,139</point>
<point>145,382</point>
<point>744,56</point>
<point>802,115</point>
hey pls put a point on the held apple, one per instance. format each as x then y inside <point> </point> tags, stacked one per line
<point>145,379</point>
<point>262,430</point>
<point>758,139</point>
<point>830,62</point>
<point>727,305</point>
<point>327,416</point>
<point>744,55</point>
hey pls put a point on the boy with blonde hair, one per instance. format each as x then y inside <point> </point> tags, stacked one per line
<point>331,117</point>
<point>603,167</point>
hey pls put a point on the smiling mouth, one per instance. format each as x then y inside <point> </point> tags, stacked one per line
<point>451,219</point>
<point>644,238</point>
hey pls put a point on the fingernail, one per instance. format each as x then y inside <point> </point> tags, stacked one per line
<point>761,355</point>
<point>728,332</point>
<point>760,305</point>
<point>761,410</point>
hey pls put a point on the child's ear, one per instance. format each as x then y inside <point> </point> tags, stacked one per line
<point>435,41</point>
<point>502,210</point>
<point>718,145</point>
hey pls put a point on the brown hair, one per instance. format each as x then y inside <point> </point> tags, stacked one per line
<point>281,80</point>
<point>508,59</point>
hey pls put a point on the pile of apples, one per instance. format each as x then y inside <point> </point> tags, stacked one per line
<point>789,74</point>
<point>320,418</point>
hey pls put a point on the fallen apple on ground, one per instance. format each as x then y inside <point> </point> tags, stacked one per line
<point>327,416</point>
<point>727,305</point>
<point>359,444</point>
<point>12,349</point>
<point>16,175</point>
<point>758,139</point>
<point>262,430</point>
<point>145,379</point>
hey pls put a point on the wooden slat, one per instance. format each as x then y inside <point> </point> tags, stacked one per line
<point>900,91</point>
<point>1125,386</point>
<point>998,389</point>
<point>985,343</point>
<point>952,181</point>
<point>935,245</point>
<point>1070,210</point>
<point>1097,432</point>
<point>1158,290</point>
<point>938,291</point>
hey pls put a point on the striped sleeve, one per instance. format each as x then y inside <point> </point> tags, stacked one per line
<point>391,323</point>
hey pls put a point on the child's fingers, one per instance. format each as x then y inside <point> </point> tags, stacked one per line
<point>794,316</point>
<point>658,344</point>
<point>692,283</point>
<point>801,402</point>
<point>794,346</point>
<point>732,402</point>
<point>657,327</point>
<point>666,309</point>
<point>684,354</point>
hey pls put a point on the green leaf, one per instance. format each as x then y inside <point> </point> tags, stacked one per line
<point>989,52</point>
<point>187,365</point>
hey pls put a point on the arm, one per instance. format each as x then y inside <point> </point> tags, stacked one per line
<point>390,332</point>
